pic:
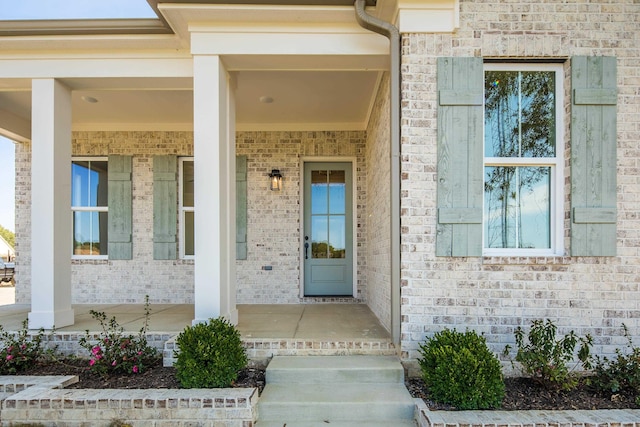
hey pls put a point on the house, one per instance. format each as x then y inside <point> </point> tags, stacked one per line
<point>449,163</point>
<point>6,250</point>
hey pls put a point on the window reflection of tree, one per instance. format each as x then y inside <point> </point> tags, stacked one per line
<point>325,250</point>
<point>519,122</point>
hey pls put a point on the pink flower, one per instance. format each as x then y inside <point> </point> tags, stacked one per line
<point>135,369</point>
<point>95,350</point>
<point>9,357</point>
<point>92,362</point>
<point>10,349</point>
<point>114,363</point>
<point>139,353</point>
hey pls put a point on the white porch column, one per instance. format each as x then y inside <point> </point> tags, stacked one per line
<point>50,205</point>
<point>214,173</point>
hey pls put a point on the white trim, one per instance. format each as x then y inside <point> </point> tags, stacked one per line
<point>556,164</point>
<point>354,216</point>
<point>274,127</point>
<point>131,127</point>
<point>182,209</point>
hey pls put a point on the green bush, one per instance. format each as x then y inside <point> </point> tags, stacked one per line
<point>460,370</point>
<point>18,351</point>
<point>210,355</point>
<point>621,374</point>
<point>115,352</point>
<point>545,359</point>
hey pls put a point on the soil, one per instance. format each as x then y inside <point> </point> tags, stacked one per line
<point>521,393</point>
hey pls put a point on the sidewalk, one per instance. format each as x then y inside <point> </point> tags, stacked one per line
<point>7,295</point>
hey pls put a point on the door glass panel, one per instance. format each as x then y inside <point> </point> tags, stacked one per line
<point>319,236</point>
<point>319,192</point>
<point>337,234</point>
<point>328,214</point>
<point>336,192</point>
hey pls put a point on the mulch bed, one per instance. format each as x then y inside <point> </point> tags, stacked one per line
<point>521,393</point>
<point>524,394</point>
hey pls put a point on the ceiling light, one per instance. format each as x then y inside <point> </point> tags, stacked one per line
<point>89,99</point>
<point>266,99</point>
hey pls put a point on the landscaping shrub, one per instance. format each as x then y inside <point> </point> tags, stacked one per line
<point>19,351</point>
<point>460,370</point>
<point>115,352</point>
<point>545,359</point>
<point>210,355</point>
<point>621,374</point>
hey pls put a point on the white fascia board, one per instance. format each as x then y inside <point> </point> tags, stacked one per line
<point>132,127</point>
<point>428,16</point>
<point>307,62</point>
<point>300,127</point>
<point>269,43</point>
<point>99,68</point>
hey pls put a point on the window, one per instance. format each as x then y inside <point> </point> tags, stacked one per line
<point>500,158</point>
<point>187,241</point>
<point>89,206</point>
<point>523,159</point>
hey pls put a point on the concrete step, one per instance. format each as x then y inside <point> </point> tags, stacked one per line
<point>335,402</point>
<point>334,369</point>
<point>393,423</point>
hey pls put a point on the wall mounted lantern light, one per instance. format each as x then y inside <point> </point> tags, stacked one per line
<point>275,180</point>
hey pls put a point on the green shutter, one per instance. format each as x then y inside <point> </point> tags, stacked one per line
<point>120,223</point>
<point>241,207</point>
<point>165,207</point>
<point>460,142</point>
<point>593,156</point>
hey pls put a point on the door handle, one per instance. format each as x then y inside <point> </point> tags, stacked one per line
<point>306,247</point>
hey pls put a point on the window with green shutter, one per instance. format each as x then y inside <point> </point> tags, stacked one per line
<point>500,158</point>
<point>187,210</point>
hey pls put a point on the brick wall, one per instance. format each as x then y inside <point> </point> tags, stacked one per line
<point>273,229</point>
<point>378,275</point>
<point>494,295</point>
<point>273,236</point>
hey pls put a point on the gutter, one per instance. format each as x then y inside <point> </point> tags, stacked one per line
<point>388,30</point>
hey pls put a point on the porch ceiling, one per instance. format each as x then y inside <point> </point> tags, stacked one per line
<point>308,92</point>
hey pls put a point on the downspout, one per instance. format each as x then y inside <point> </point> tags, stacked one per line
<point>393,34</point>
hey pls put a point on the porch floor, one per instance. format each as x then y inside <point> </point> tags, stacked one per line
<point>284,321</point>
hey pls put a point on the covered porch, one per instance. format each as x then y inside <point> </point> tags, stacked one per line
<point>266,329</point>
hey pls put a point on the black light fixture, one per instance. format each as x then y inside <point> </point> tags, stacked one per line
<point>275,180</point>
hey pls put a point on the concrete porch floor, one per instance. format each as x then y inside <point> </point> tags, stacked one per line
<point>287,321</point>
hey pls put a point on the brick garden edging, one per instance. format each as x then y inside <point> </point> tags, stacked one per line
<point>42,400</point>
<point>539,418</point>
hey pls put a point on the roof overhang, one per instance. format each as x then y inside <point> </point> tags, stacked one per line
<point>70,27</point>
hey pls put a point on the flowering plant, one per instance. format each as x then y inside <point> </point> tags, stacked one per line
<point>116,352</point>
<point>19,350</point>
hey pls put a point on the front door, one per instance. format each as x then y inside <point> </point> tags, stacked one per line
<point>328,229</point>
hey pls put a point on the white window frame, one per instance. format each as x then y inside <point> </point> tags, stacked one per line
<point>87,208</point>
<point>556,220</point>
<point>183,209</point>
